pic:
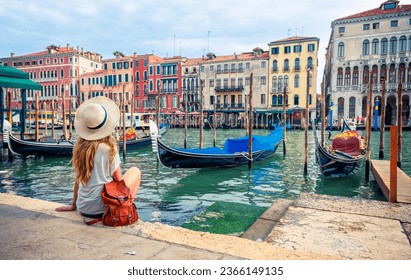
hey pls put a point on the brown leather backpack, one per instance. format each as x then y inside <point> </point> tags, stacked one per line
<point>119,207</point>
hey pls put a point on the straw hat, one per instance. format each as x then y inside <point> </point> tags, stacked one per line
<point>96,118</point>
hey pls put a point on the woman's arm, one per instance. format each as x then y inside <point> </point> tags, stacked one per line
<point>73,206</point>
<point>117,176</point>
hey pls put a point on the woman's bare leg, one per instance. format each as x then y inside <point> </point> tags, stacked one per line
<point>132,178</point>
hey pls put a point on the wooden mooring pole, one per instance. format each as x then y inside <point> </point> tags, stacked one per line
<point>307,122</point>
<point>399,155</point>
<point>250,125</point>
<point>368,130</point>
<point>201,120</point>
<point>284,121</point>
<point>393,163</point>
<point>382,121</point>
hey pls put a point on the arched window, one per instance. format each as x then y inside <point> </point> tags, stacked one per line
<point>347,79</point>
<point>275,86</point>
<point>275,65</point>
<point>341,49</point>
<point>310,99</point>
<point>286,81</point>
<point>351,109</point>
<point>297,64</point>
<point>274,100</point>
<point>409,43</point>
<point>297,81</point>
<point>137,76</point>
<point>366,75</point>
<point>355,76</point>
<point>393,45</point>
<point>403,44</point>
<point>145,76</point>
<point>280,100</point>
<point>366,47</point>
<point>310,62</point>
<point>374,46</point>
<point>151,86</point>
<point>339,77</point>
<point>286,65</point>
<point>384,46</point>
<point>280,84</point>
<point>296,99</point>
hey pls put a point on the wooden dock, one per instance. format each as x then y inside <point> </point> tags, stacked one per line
<point>381,171</point>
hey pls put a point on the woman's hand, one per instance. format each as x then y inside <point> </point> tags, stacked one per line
<point>71,207</point>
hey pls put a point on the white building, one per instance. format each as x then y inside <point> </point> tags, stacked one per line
<point>374,44</point>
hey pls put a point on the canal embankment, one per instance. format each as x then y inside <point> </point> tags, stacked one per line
<point>311,227</point>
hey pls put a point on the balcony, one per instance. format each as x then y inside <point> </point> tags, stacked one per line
<point>169,90</point>
<point>45,80</point>
<point>229,89</point>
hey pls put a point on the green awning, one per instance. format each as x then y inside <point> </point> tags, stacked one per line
<point>14,78</point>
<point>6,71</point>
<point>9,82</point>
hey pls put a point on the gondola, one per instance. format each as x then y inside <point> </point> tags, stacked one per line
<point>64,148</point>
<point>47,148</point>
<point>234,153</point>
<point>345,156</point>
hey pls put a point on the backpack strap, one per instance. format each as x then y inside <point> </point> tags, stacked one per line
<point>92,222</point>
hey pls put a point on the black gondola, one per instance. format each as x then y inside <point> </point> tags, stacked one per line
<point>341,159</point>
<point>64,148</point>
<point>234,153</point>
<point>27,147</point>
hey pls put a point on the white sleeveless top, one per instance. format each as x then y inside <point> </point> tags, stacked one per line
<point>89,199</point>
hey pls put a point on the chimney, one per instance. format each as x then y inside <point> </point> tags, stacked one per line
<point>82,51</point>
<point>12,54</point>
<point>134,54</point>
<point>68,46</point>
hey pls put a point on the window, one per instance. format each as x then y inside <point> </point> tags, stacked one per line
<point>296,81</point>
<point>275,65</point>
<point>366,26</point>
<point>311,47</point>
<point>310,62</point>
<point>150,69</point>
<point>347,79</point>
<point>218,68</point>
<point>248,65</point>
<point>211,68</point>
<point>232,82</point>
<point>384,46</point>
<point>158,69</point>
<point>393,45</point>
<point>274,84</point>
<point>366,47</point>
<point>286,65</point>
<point>297,48</point>
<point>403,44</point>
<point>240,66</point>
<point>105,66</point>
<point>247,81</point>
<point>240,82</point>
<point>225,68</point>
<point>296,99</point>
<point>339,77</point>
<point>286,81</point>
<point>355,76</point>
<point>120,78</point>
<point>374,46</point>
<point>340,107</point>
<point>394,23</point>
<point>232,67</point>
<point>376,25</point>
<point>263,80</point>
<point>297,64</point>
<point>126,65</point>
<point>341,50</point>
<point>389,6</point>
<point>275,50</point>
<point>263,98</point>
<point>341,29</point>
<point>287,49</point>
<point>263,64</point>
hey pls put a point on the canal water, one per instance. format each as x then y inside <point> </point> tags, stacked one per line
<point>174,196</point>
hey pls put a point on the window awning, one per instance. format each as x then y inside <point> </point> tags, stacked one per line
<point>9,82</point>
<point>14,78</point>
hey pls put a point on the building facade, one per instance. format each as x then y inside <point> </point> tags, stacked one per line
<point>370,48</point>
<point>57,69</point>
<point>293,69</point>
<point>227,82</point>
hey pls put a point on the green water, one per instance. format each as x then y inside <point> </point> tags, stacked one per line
<point>174,196</point>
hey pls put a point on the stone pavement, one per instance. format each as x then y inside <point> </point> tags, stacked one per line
<point>311,227</point>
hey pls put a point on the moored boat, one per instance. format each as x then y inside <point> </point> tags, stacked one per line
<point>234,153</point>
<point>344,157</point>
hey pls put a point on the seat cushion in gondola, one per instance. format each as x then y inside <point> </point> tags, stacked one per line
<point>348,142</point>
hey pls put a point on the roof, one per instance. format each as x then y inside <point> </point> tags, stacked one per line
<point>294,39</point>
<point>14,78</point>
<point>380,11</point>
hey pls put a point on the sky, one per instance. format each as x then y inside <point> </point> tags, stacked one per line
<point>168,28</point>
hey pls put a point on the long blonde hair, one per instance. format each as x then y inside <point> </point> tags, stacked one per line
<point>83,156</point>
